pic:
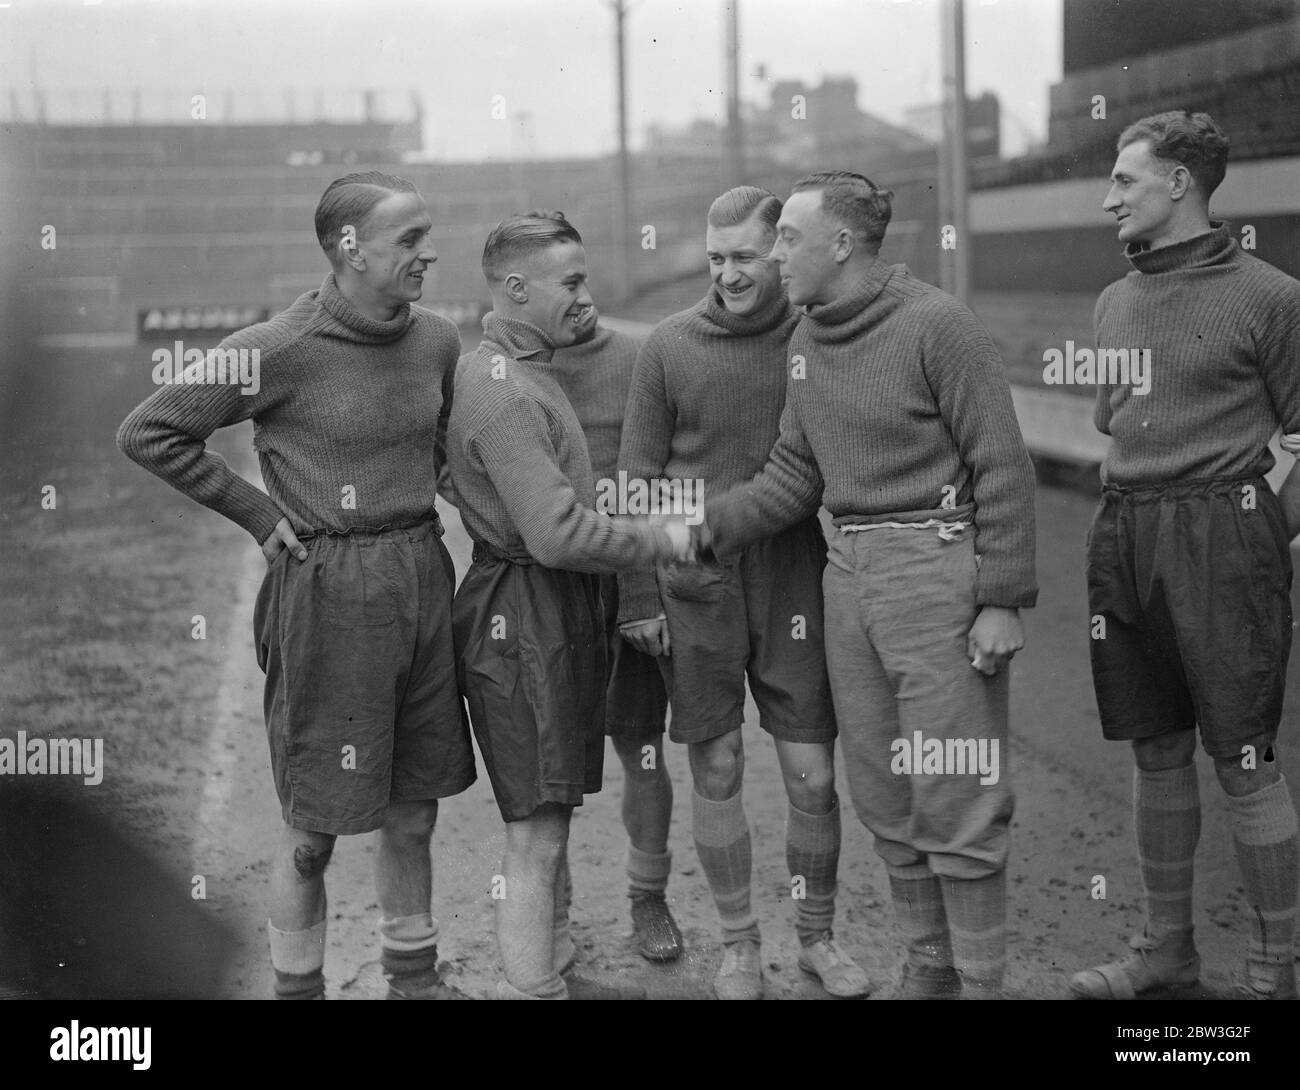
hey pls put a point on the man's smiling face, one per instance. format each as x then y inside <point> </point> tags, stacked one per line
<point>395,241</point>
<point>1139,196</point>
<point>558,300</point>
<point>745,277</point>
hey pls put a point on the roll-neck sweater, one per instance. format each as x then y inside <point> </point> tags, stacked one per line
<point>348,422</point>
<point>1223,330</point>
<point>705,405</point>
<point>519,460</point>
<point>596,376</point>
<point>897,409</point>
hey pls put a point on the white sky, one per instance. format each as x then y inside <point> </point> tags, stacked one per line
<point>553,60</point>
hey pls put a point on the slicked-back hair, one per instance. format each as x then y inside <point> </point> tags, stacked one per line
<point>1180,136</point>
<point>521,234</point>
<point>347,201</point>
<point>854,200</point>
<point>736,206</point>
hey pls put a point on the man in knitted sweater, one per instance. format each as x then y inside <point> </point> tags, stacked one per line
<point>1189,571</point>
<point>353,621</point>
<point>596,374</point>
<point>898,418</point>
<point>705,405</point>
<point>530,628</point>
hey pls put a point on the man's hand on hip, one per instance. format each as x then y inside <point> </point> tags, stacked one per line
<point>282,537</point>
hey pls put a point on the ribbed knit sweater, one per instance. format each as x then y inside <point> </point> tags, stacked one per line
<point>1223,329</point>
<point>519,461</point>
<point>596,377</point>
<point>903,405</point>
<point>348,407</point>
<point>706,401</point>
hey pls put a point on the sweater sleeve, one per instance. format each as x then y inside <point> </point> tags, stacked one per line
<point>167,434</point>
<point>514,448</point>
<point>785,491</point>
<point>965,371</point>
<point>644,447</point>
<point>1278,345</point>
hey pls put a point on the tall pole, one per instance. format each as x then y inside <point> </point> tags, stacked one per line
<point>954,214</point>
<point>623,213</point>
<point>735,126</point>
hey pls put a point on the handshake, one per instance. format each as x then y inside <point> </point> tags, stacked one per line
<point>691,544</point>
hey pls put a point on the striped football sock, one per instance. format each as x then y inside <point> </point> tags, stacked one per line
<point>722,841</point>
<point>1268,852</point>
<point>1167,818</point>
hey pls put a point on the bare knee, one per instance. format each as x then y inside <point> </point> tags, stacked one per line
<point>541,837</point>
<point>311,859</point>
<point>809,773</point>
<point>642,758</point>
<point>411,820</point>
<point>811,791</point>
<point>1165,751</point>
<point>718,766</point>
<point>1253,771</point>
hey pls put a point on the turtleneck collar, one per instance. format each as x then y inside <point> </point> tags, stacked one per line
<point>1212,248</point>
<point>768,317</point>
<point>838,319</point>
<point>350,324</point>
<point>522,340</point>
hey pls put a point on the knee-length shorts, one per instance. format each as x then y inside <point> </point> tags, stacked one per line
<point>361,702</point>
<point>531,646</point>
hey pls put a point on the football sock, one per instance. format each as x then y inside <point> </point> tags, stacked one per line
<point>722,841</point>
<point>298,959</point>
<point>977,926</point>
<point>1268,852</point>
<point>812,851</point>
<point>1167,818</point>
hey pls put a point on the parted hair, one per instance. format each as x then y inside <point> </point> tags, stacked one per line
<point>1180,136</point>
<point>521,234</point>
<point>737,205</point>
<point>348,201</point>
<point>854,200</point>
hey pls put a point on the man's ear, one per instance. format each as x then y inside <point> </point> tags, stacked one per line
<point>349,250</point>
<point>1180,182</point>
<point>844,245</point>
<point>516,288</point>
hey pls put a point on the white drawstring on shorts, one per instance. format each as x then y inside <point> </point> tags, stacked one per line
<point>948,531</point>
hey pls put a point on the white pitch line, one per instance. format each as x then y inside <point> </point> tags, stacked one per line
<point>221,752</point>
<point>238,667</point>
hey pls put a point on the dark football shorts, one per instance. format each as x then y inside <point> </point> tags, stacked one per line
<point>1193,582</point>
<point>531,648</point>
<point>756,613</point>
<point>362,707</point>
<point>636,699</point>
